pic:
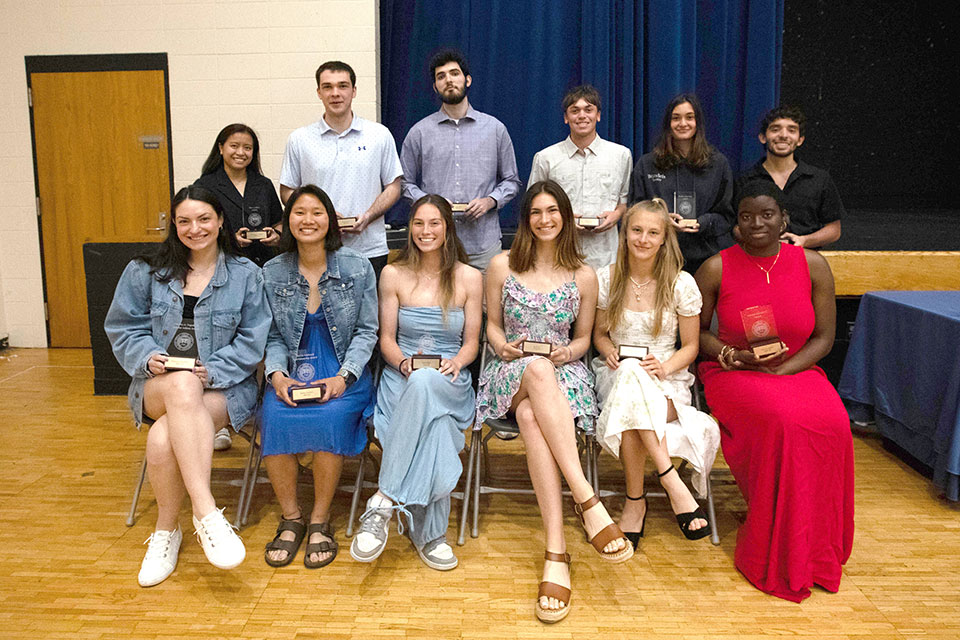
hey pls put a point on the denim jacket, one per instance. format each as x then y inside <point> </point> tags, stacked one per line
<point>349,292</point>
<point>231,321</point>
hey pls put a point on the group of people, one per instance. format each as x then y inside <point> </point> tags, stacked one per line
<point>314,298</point>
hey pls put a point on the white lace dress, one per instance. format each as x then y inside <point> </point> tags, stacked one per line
<point>632,399</point>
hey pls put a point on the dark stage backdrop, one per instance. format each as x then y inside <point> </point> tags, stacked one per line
<point>523,56</point>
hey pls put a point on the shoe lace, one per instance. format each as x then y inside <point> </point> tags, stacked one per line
<point>373,520</point>
<point>216,529</point>
<point>158,544</point>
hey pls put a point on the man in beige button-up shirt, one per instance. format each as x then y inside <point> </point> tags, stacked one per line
<point>594,172</point>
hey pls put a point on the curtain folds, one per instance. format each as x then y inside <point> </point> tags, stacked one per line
<point>523,56</point>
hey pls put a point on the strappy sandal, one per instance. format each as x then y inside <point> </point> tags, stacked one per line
<point>684,519</point>
<point>634,536</point>
<point>298,528</point>
<point>324,546</point>
<point>553,590</point>
<point>606,535</point>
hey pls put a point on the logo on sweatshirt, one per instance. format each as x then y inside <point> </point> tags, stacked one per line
<point>656,177</point>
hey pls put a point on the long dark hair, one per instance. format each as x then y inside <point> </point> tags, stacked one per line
<point>169,261</point>
<point>451,252</point>
<point>332,241</point>
<point>666,157</point>
<point>523,250</point>
<point>215,160</point>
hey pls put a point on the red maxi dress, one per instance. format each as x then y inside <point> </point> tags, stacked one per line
<point>786,438</point>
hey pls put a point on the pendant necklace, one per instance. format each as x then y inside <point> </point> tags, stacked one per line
<point>638,287</point>
<point>767,271</point>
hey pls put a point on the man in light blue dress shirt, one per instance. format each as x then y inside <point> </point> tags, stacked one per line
<point>353,160</point>
<point>465,156</point>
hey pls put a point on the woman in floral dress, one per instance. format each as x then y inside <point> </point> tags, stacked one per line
<point>543,291</point>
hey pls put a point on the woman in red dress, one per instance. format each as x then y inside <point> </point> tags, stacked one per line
<point>783,429</point>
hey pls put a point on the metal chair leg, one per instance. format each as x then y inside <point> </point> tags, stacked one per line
<point>467,490</point>
<point>132,516</point>
<point>357,488</point>
<point>714,536</point>
<point>253,484</point>
<point>248,484</point>
<point>478,471</point>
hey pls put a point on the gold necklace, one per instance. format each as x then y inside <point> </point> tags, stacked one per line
<point>767,271</point>
<point>638,287</point>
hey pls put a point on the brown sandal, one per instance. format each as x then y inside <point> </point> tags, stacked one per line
<point>298,528</point>
<point>324,546</point>
<point>606,535</point>
<point>553,590</point>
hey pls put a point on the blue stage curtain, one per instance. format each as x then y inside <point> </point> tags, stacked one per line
<point>523,57</point>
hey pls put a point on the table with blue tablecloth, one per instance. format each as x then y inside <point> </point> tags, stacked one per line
<point>903,370</point>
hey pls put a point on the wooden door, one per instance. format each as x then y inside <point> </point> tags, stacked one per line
<point>102,160</point>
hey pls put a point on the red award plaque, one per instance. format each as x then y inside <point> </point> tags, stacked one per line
<point>535,348</point>
<point>308,393</point>
<point>347,223</point>
<point>179,364</point>
<point>632,351</point>
<point>424,361</point>
<point>761,330</point>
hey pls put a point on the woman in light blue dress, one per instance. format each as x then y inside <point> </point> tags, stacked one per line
<point>430,304</point>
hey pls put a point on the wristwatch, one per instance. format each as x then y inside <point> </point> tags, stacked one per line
<point>348,377</point>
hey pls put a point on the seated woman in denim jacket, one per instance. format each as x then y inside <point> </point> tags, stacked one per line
<point>196,301</point>
<point>324,302</point>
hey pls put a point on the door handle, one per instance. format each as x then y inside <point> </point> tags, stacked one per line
<point>161,221</point>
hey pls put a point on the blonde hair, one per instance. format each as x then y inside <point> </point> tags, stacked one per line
<point>451,252</point>
<point>666,267</point>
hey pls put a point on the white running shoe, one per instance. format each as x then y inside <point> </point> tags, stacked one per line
<point>222,440</point>
<point>220,542</point>
<point>163,549</point>
<point>371,540</point>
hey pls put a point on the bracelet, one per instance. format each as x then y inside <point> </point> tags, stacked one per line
<point>400,366</point>
<point>724,351</point>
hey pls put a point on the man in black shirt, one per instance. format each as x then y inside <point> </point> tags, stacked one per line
<point>809,194</point>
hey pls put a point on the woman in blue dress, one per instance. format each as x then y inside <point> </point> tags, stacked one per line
<point>324,303</point>
<point>430,304</point>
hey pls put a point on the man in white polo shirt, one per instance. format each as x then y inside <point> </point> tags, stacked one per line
<point>354,160</point>
<point>594,173</point>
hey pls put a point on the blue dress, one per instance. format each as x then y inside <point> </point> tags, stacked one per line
<point>336,426</point>
<point>420,422</point>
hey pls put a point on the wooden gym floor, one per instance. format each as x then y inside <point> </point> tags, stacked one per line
<point>68,563</point>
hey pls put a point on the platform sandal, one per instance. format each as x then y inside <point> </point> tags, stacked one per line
<point>606,535</point>
<point>553,590</point>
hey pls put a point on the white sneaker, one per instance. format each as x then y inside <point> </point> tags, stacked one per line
<point>222,440</point>
<point>220,543</point>
<point>163,549</point>
<point>371,540</point>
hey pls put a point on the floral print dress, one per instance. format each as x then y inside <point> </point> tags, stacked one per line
<point>545,317</point>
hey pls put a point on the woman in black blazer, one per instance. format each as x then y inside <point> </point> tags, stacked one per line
<point>250,203</point>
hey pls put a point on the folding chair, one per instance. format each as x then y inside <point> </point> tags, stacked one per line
<point>695,392</point>
<point>250,432</point>
<point>477,453</point>
<point>367,457</point>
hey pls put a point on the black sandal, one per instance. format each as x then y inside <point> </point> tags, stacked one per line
<point>634,536</point>
<point>324,546</point>
<point>298,528</point>
<point>684,519</point>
